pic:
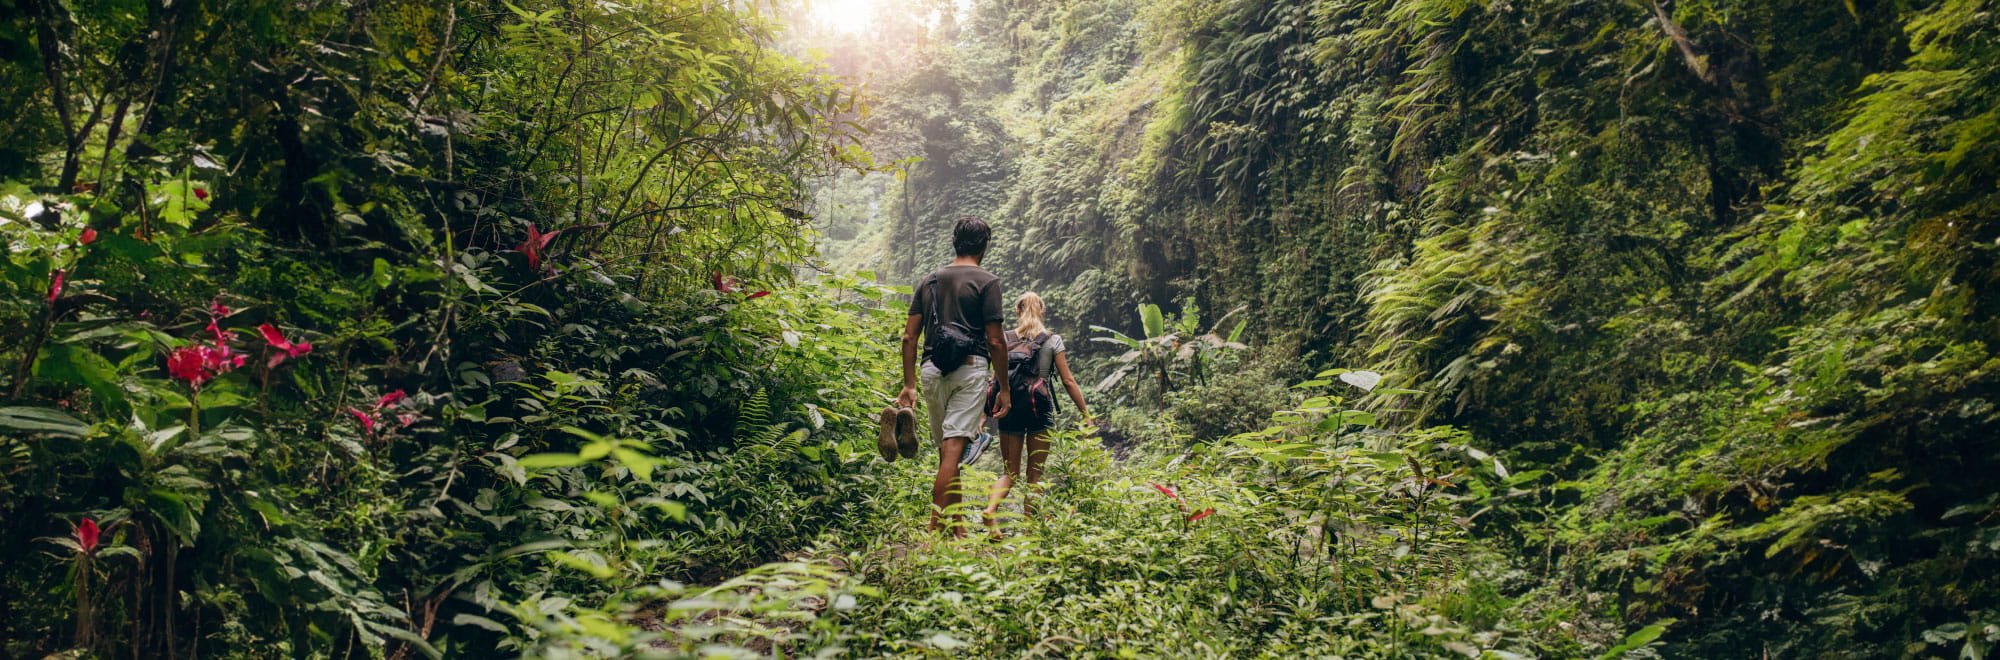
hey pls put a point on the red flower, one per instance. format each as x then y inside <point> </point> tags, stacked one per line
<point>56,285</point>
<point>86,535</point>
<point>757,295</point>
<point>200,363</point>
<point>1169,492</point>
<point>367,420</point>
<point>274,336</point>
<point>216,308</point>
<point>201,194</point>
<point>87,237</point>
<point>221,335</point>
<point>184,364</point>
<point>390,399</point>
<point>1204,514</point>
<point>284,348</point>
<point>726,283</point>
<point>536,243</point>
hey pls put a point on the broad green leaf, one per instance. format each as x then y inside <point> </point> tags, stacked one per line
<point>546,461</point>
<point>45,420</point>
<point>1151,319</point>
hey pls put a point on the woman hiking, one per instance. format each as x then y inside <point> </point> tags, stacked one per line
<point>1032,353</point>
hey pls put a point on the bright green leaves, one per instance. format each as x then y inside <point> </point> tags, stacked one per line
<point>178,202</point>
<point>632,455</point>
<point>1170,348</point>
<point>1150,319</point>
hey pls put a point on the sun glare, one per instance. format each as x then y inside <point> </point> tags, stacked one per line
<point>849,16</point>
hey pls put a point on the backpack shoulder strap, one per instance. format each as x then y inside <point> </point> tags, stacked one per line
<point>934,299</point>
<point>1043,358</point>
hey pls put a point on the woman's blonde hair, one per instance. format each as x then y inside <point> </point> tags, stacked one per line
<point>1031,311</point>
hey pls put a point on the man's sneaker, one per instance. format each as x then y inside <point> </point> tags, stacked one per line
<point>975,448</point>
<point>886,441</point>
<point>906,432</point>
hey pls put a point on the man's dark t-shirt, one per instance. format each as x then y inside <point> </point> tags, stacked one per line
<point>966,294</point>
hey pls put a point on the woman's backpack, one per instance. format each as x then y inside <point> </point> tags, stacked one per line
<point>1027,374</point>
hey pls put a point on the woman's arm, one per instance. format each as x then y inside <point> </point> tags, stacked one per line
<point>1069,383</point>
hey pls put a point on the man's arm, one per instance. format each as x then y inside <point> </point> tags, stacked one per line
<point>913,330</point>
<point>996,342</point>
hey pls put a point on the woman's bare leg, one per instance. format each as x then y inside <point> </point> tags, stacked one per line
<point>1010,449</point>
<point>1038,454</point>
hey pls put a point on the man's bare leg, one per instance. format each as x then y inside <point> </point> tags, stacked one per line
<point>944,491</point>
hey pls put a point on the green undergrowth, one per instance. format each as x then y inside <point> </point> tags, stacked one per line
<point>1318,536</point>
<point>1112,566</point>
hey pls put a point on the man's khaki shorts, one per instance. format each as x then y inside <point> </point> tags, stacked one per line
<point>955,400</point>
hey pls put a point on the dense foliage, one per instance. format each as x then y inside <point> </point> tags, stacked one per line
<point>408,328</point>
<point>1721,268</point>
<point>476,329</point>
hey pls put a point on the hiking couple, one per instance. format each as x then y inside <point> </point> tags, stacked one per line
<point>955,320</point>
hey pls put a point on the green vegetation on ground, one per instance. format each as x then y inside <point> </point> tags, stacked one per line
<point>544,329</point>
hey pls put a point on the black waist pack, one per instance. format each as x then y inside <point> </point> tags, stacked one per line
<point>952,341</point>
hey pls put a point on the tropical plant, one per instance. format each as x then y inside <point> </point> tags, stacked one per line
<point>1169,344</point>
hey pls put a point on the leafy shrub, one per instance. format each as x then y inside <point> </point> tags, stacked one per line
<point>1236,399</point>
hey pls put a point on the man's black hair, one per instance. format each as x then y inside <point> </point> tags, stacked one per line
<point>969,238</point>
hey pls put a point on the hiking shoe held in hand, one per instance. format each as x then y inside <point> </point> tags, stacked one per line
<point>886,441</point>
<point>906,432</point>
<point>975,448</point>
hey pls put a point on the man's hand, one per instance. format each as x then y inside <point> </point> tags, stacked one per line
<point>907,399</point>
<point>1002,402</point>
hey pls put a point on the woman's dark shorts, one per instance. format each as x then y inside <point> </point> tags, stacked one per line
<point>1024,418</point>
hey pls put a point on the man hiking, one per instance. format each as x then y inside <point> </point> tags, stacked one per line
<point>957,313</point>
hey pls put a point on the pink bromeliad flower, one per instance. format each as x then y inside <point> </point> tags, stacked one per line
<point>282,348</point>
<point>56,285</point>
<point>87,535</point>
<point>197,364</point>
<point>200,363</point>
<point>733,284</point>
<point>381,411</point>
<point>221,336</point>
<point>367,420</point>
<point>536,243</point>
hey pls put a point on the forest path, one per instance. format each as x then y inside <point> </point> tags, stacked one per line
<point>1124,557</point>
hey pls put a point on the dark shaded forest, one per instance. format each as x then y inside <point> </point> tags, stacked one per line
<point>1413,328</point>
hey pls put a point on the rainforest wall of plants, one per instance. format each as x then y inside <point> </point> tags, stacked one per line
<point>394,329</point>
<point>1720,273</point>
<point>547,328</point>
